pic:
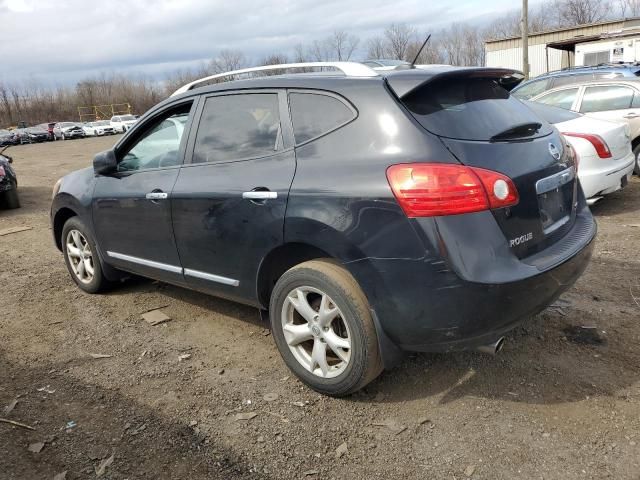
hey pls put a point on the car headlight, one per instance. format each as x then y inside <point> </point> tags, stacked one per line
<point>56,188</point>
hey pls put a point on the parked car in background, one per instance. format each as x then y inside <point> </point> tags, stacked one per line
<point>48,127</point>
<point>603,147</point>
<point>384,63</point>
<point>617,100</point>
<point>8,137</point>
<point>31,134</point>
<point>369,213</point>
<point>122,123</point>
<point>551,80</point>
<point>67,131</point>
<point>8,183</point>
<point>97,129</point>
<point>38,134</point>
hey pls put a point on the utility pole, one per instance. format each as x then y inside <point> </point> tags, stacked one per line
<point>524,26</point>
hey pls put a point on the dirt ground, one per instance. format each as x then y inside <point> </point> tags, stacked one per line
<point>560,401</point>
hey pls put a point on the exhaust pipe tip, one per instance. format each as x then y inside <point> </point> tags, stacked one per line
<point>492,348</point>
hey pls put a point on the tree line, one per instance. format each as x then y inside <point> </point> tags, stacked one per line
<point>460,44</point>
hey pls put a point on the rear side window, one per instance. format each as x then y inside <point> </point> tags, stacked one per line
<point>238,127</point>
<point>563,80</point>
<point>468,109</point>
<point>563,98</point>
<point>532,89</point>
<point>316,114</point>
<point>607,75</point>
<point>602,99</point>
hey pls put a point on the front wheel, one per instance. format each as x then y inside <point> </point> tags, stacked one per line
<point>636,153</point>
<point>81,257</point>
<point>322,326</point>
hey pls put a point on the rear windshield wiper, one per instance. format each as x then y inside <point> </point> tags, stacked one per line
<point>519,131</point>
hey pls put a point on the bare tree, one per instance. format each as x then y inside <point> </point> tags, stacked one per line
<point>318,51</point>
<point>341,45</point>
<point>580,12</point>
<point>300,54</point>
<point>629,8</point>
<point>376,47</point>
<point>228,60</point>
<point>398,37</point>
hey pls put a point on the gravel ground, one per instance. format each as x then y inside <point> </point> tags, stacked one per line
<point>560,401</point>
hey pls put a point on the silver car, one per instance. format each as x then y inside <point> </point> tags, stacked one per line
<point>617,100</point>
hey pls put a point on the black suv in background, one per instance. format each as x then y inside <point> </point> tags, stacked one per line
<point>416,209</point>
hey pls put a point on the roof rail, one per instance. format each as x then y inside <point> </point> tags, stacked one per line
<point>350,69</point>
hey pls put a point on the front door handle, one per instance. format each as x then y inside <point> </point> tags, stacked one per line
<point>631,115</point>
<point>259,195</point>
<point>155,195</point>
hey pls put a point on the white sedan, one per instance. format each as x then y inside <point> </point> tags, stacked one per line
<point>603,148</point>
<point>122,123</point>
<point>97,129</point>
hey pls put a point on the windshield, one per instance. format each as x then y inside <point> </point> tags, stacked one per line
<point>126,118</point>
<point>470,109</point>
<point>551,114</point>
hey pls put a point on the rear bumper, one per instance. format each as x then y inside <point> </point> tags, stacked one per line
<point>427,304</point>
<point>607,179</point>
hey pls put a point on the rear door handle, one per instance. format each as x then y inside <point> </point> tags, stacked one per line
<point>259,195</point>
<point>631,115</point>
<point>157,196</point>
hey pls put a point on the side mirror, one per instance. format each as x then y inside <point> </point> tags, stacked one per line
<point>105,162</point>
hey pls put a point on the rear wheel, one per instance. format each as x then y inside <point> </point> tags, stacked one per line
<point>636,152</point>
<point>81,257</point>
<point>322,326</point>
<point>11,199</point>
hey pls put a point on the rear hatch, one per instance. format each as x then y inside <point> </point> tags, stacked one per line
<point>473,114</point>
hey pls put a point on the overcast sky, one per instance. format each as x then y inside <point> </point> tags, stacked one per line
<point>62,41</point>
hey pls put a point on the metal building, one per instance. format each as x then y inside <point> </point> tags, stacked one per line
<point>592,44</point>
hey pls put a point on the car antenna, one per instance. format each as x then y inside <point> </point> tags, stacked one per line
<point>412,65</point>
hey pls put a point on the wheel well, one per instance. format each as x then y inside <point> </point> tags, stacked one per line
<point>59,220</point>
<point>279,261</point>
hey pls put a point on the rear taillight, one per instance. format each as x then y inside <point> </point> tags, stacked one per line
<point>602,149</point>
<point>2,172</point>
<point>437,189</point>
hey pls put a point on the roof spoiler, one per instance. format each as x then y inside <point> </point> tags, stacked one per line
<point>403,82</point>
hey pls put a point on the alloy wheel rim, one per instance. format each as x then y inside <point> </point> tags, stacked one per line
<point>80,256</point>
<point>316,332</point>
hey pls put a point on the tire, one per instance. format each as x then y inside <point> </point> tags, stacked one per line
<point>346,369</point>
<point>11,199</point>
<point>97,282</point>
<point>636,152</point>
<point>63,137</point>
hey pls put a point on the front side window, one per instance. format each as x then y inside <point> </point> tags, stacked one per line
<point>238,127</point>
<point>602,99</point>
<point>316,114</point>
<point>159,144</point>
<point>563,98</point>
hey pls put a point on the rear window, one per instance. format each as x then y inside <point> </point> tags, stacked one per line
<point>531,89</point>
<point>316,114</point>
<point>469,109</point>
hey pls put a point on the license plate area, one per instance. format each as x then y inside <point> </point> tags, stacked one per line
<point>556,199</point>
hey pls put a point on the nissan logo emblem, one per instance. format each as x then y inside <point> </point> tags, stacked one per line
<point>554,151</point>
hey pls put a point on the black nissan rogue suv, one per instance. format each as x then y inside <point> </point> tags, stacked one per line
<point>368,213</point>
